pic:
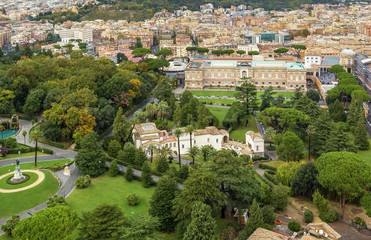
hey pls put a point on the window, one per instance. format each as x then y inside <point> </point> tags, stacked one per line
<point>217,140</point>
<point>270,75</point>
<point>198,84</point>
<point>194,141</point>
<point>212,75</point>
<point>291,77</point>
<point>297,78</point>
<point>212,82</point>
<point>291,85</point>
<point>208,140</point>
<point>276,75</point>
<point>277,83</point>
<point>302,85</point>
<point>302,77</point>
<point>206,82</point>
<point>225,74</point>
<point>174,144</point>
<point>256,75</point>
<point>256,83</point>
<point>257,148</point>
<point>263,75</point>
<point>270,83</point>
<point>270,55</point>
<point>283,83</point>
<point>219,82</point>
<point>226,82</point>
<point>297,85</point>
<point>218,74</point>
<point>263,83</point>
<point>188,84</point>
<point>244,74</point>
<point>238,83</point>
<point>232,82</point>
<point>183,146</point>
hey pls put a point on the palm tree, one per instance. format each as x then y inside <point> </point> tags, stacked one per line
<point>152,147</point>
<point>2,129</point>
<point>190,129</point>
<point>178,133</point>
<point>151,110</point>
<point>24,133</point>
<point>193,152</point>
<point>163,152</point>
<point>163,110</point>
<point>206,151</point>
<point>310,131</point>
<point>34,136</point>
<point>269,135</point>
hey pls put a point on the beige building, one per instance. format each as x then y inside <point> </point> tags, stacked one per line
<point>231,73</point>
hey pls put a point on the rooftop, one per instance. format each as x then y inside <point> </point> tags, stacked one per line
<point>331,60</point>
<point>220,63</point>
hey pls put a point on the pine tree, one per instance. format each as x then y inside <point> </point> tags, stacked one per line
<point>337,111</point>
<point>322,128</point>
<point>203,225</point>
<point>338,140</point>
<point>129,175</point>
<point>203,120</point>
<point>361,135</point>
<point>161,204</point>
<point>140,157</point>
<point>255,218</point>
<point>147,180</point>
<point>114,169</point>
<point>162,165</point>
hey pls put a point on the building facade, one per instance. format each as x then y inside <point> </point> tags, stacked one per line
<point>278,74</point>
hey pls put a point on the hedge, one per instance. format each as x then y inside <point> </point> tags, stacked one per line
<point>271,178</point>
<point>257,158</point>
<point>26,149</point>
<point>266,166</point>
<point>271,172</point>
<point>264,180</point>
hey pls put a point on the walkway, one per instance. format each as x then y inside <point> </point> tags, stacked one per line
<point>41,177</point>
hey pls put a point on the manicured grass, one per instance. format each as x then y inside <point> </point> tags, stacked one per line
<point>275,163</point>
<point>30,154</point>
<point>214,93</point>
<point>43,164</point>
<point>219,113</point>
<point>239,133</point>
<point>216,101</point>
<point>14,203</point>
<point>111,190</point>
<point>4,185</point>
<point>366,154</point>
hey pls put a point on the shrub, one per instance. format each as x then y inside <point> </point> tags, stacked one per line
<point>113,148</point>
<point>294,226</point>
<point>162,165</point>
<point>9,226</point>
<point>183,172</point>
<point>114,169</point>
<point>270,172</point>
<point>106,142</point>
<point>129,175</point>
<point>322,204</point>
<point>270,148</point>
<point>280,197</point>
<point>56,200</point>
<point>146,177</point>
<point>329,217</point>
<point>308,216</point>
<point>83,182</point>
<point>11,142</point>
<point>368,212</point>
<point>270,177</point>
<point>266,166</point>
<point>268,214</point>
<point>132,199</point>
<point>359,221</point>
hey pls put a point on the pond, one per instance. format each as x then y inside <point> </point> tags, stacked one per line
<point>8,133</point>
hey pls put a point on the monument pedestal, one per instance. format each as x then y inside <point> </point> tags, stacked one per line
<point>18,177</point>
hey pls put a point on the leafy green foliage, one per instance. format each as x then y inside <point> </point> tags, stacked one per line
<point>308,216</point>
<point>287,172</point>
<point>291,147</point>
<point>305,181</point>
<point>141,227</point>
<point>268,214</point>
<point>294,226</point>
<point>146,177</point>
<point>280,197</point>
<point>256,219</point>
<point>50,223</point>
<point>55,201</point>
<point>161,204</point>
<point>202,225</point>
<point>10,225</point>
<point>129,174</point>
<point>322,204</point>
<point>132,199</point>
<point>113,148</point>
<point>83,182</point>
<point>104,222</point>
<point>330,216</point>
<point>114,169</point>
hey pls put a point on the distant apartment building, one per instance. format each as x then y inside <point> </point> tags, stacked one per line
<point>231,73</point>
<point>257,38</point>
<point>86,35</point>
<point>5,37</point>
<point>362,70</point>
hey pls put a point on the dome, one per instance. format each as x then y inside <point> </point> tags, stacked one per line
<point>347,51</point>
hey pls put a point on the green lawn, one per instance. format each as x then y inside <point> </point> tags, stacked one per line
<point>43,164</point>
<point>111,190</point>
<point>239,133</point>
<point>219,113</point>
<point>4,185</point>
<point>30,154</point>
<point>14,203</point>
<point>217,101</point>
<point>366,155</point>
<point>275,163</point>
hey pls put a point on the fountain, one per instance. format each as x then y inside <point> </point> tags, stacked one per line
<point>18,177</point>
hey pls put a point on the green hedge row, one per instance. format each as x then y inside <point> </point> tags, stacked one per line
<point>266,166</point>
<point>53,144</point>
<point>26,149</point>
<point>264,180</point>
<point>271,178</point>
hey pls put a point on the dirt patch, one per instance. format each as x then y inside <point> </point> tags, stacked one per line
<point>356,210</point>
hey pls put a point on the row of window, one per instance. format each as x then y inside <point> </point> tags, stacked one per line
<point>194,142</point>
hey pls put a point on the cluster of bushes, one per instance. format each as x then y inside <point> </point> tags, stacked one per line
<point>270,177</point>
<point>14,147</point>
<point>360,222</point>
<point>294,226</point>
<point>323,206</point>
<point>366,203</point>
<point>232,119</point>
<point>132,199</point>
<point>266,166</point>
<point>83,182</point>
<point>258,158</point>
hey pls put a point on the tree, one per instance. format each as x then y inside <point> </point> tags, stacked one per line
<point>193,152</point>
<point>255,218</point>
<point>152,147</point>
<point>10,225</point>
<point>229,51</point>
<point>34,101</point>
<point>202,225</point>
<point>113,148</point>
<point>90,160</point>
<point>164,53</point>
<point>285,173</point>
<point>190,129</point>
<point>280,51</point>
<point>50,223</point>
<point>337,68</point>
<point>142,227</point>
<point>140,157</point>
<point>34,137</point>
<point>161,203</point>
<point>291,148</point>
<point>337,111</point>
<point>321,203</point>
<point>268,214</point>
<point>322,128</point>
<point>114,169</point>
<point>251,53</point>
<point>129,175</point>
<point>104,222</point>
<point>55,201</point>
<point>121,57</point>
<point>345,173</point>
<point>206,151</point>
<point>246,93</point>
<point>269,135</point>
<point>240,52</point>
<point>178,133</point>
<point>266,98</point>
<point>313,95</point>
<point>298,49</point>
<point>24,133</point>
<point>280,198</point>
<point>305,181</point>
<point>162,165</point>
<point>141,52</point>
<point>361,135</point>
<point>121,129</point>
<point>201,186</point>
<point>146,176</point>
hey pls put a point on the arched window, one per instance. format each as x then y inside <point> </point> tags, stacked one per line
<point>244,74</point>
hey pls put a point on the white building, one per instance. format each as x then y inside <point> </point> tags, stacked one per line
<point>312,59</point>
<point>86,35</point>
<point>146,134</point>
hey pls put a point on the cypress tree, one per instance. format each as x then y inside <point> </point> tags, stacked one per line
<point>129,175</point>
<point>162,165</point>
<point>337,112</point>
<point>161,204</point>
<point>361,135</point>
<point>147,180</point>
<point>255,218</point>
<point>203,225</point>
<point>114,169</point>
<point>140,157</point>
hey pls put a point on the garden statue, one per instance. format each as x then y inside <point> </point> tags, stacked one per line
<point>18,177</point>
<point>66,171</point>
